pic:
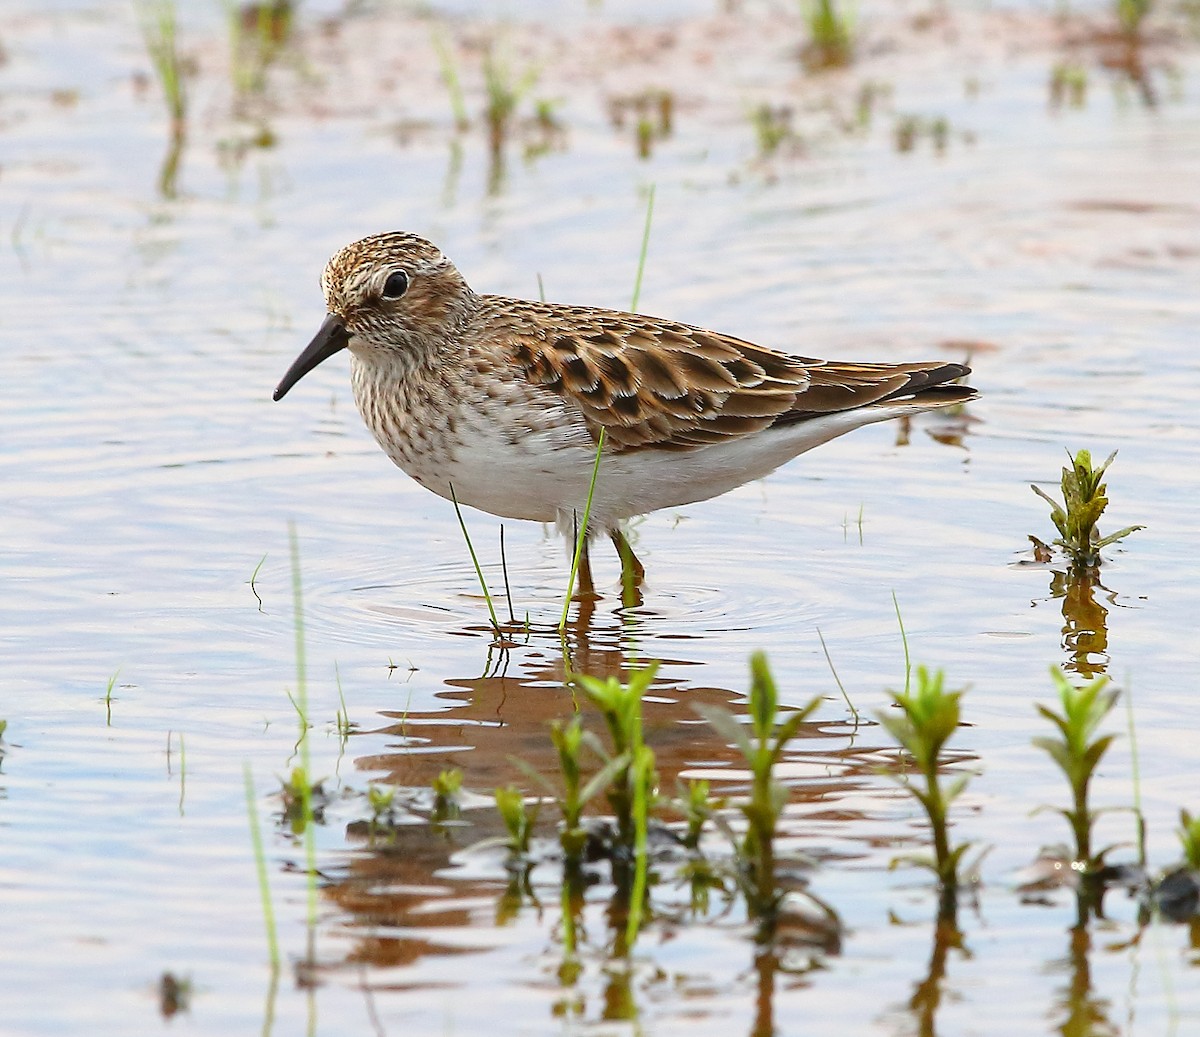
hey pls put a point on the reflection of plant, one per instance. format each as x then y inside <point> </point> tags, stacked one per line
<point>761,749</point>
<point>927,720</point>
<point>1084,502</point>
<point>1077,756</point>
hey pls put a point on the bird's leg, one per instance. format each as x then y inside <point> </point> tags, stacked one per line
<point>632,571</point>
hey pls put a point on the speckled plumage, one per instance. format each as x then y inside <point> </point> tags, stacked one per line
<point>504,399</point>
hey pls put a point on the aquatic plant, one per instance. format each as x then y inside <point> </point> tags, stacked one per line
<point>260,868</point>
<point>450,77</point>
<point>830,34</point>
<point>518,819</point>
<point>654,117</point>
<point>303,801</point>
<point>1084,501</point>
<point>1189,839</point>
<point>108,698</point>
<point>1077,754</point>
<point>927,720</point>
<point>257,32</point>
<point>483,586</point>
<point>1131,14</point>
<point>382,801</point>
<point>504,89</point>
<point>570,739</point>
<point>694,800</point>
<point>769,734</point>
<point>174,994</point>
<point>157,21</point>
<point>1068,83</point>
<point>772,127</point>
<point>302,782</point>
<point>447,787</point>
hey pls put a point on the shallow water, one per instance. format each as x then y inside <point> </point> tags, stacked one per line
<point>146,474</point>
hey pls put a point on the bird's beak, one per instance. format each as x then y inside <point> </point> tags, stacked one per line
<point>332,338</point>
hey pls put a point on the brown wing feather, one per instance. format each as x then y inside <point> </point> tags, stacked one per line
<point>651,382</point>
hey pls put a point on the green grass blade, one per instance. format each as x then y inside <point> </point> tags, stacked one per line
<point>641,267</point>
<point>487,597</point>
<point>260,865</point>
<point>581,534</point>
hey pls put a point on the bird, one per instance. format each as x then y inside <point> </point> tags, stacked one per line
<point>510,405</point>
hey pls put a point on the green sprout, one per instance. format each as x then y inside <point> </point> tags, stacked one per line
<point>830,35</point>
<point>1068,83</point>
<point>518,819</point>
<point>1078,754</point>
<point>447,789</point>
<point>505,90</point>
<point>1189,838</point>
<point>1084,501</point>
<point>927,720</point>
<point>382,801</point>
<point>772,127</point>
<point>260,867</point>
<point>761,748</point>
<point>696,804</point>
<point>1131,14</point>
<point>569,740</point>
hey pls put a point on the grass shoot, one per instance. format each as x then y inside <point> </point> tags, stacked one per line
<point>450,77</point>
<point>487,596</point>
<point>260,866</point>
<point>927,719</point>
<point>518,818</point>
<point>1084,501</point>
<point>579,555</point>
<point>253,579</point>
<point>631,788</point>
<point>830,35</point>
<point>160,34</point>
<point>1077,753</point>
<point>447,795</point>
<point>302,778</point>
<point>1131,14</point>
<point>108,698</point>
<point>505,90</point>
<point>772,127</point>
<point>1189,839</point>
<point>761,748</point>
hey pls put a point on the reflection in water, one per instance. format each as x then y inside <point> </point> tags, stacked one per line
<point>415,893</point>
<point>1082,1012</point>
<point>1085,627</point>
<point>928,993</point>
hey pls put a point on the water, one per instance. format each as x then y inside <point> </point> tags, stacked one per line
<point>147,474</point>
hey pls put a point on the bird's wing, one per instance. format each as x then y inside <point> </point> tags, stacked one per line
<point>656,383</point>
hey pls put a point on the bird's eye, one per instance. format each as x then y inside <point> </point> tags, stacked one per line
<point>396,284</point>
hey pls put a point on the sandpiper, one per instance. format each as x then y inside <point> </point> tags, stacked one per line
<point>499,402</point>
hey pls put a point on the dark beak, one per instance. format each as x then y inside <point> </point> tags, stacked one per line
<point>332,338</point>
